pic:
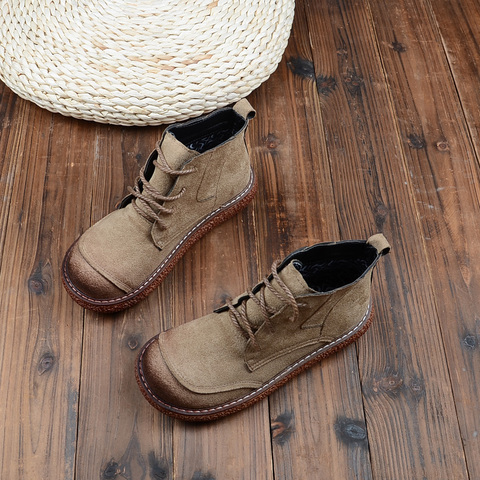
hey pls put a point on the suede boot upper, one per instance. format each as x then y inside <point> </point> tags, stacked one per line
<point>316,298</point>
<point>198,176</point>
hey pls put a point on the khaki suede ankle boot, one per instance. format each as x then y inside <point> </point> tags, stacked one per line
<point>198,177</point>
<point>312,304</point>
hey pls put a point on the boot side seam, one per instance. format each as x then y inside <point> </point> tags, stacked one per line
<point>266,386</point>
<point>167,258</point>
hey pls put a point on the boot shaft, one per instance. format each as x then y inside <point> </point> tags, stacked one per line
<point>220,161</point>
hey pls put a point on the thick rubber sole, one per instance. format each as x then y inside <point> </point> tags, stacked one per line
<point>218,216</point>
<point>213,413</point>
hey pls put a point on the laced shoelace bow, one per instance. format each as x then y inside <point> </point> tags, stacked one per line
<point>239,315</point>
<point>151,200</point>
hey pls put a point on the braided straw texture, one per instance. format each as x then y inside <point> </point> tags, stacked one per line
<point>140,62</point>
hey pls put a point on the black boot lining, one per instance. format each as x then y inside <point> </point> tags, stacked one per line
<point>209,132</point>
<point>328,268</point>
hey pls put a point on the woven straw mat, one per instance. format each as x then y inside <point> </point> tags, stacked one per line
<point>140,62</point>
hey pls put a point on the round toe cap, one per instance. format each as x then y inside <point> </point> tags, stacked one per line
<point>164,388</point>
<point>82,278</point>
<point>159,381</point>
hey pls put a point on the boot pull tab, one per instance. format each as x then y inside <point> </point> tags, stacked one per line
<point>380,243</point>
<point>243,108</point>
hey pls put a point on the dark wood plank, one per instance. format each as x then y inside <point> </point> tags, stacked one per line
<point>40,336</point>
<point>444,174</point>
<point>458,26</point>
<point>8,114</point>
<point>312,415</point>
<point>119,434</point>
<point>406,388</point>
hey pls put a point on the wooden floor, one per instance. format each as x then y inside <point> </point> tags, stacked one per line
<point>370,124</point>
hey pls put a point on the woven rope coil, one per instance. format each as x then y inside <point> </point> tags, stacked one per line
<point>140,62</point>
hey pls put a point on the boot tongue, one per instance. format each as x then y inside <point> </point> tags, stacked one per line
<point>295,282</point>
<point>176,154</point>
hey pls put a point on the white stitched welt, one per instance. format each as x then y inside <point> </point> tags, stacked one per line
<point>263,387</point>
<point>167,258</point>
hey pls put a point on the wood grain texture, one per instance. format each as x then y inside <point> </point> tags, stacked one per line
<point>137,442</point>
<point>221,265</point>
<point>317,420</point>
<point>458,31</point>
<point>372,186</point>
<point>370,123</point>
<point>446,181</point>
<point>40,337</point>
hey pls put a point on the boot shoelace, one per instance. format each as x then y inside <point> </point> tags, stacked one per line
<point>239,316</point>
<point>151,200</point>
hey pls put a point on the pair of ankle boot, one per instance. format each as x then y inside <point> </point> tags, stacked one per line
<point>316,301</point>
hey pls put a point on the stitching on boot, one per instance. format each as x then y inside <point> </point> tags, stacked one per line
<point>166,260</point>
<point>258,390</point>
